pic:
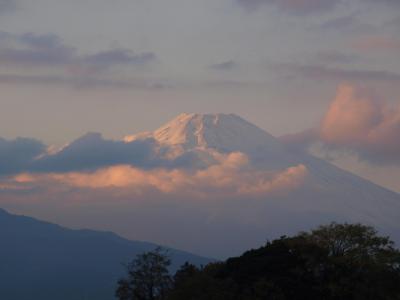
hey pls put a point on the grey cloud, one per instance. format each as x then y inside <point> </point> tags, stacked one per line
<point>304,7</point>
<point>374,154</point>
<point>343,22</point>
<point>346,24</point>
<point>17,155</point>
<point>45,41</point>
<point>87,153</point>
<point>332,56</point>
<point>323,72</point>
<point>34,57</point>
<point>33,50</point>
<point>395,23</point>
<point>385,2</point>
<point>118,57</point>
<point>301,7</point>
<point>300,140</point>
<point>224,66</point>
<point>29,50</point>
<point>80,82</point>
<point>7,6</point>
<point>91,152</point>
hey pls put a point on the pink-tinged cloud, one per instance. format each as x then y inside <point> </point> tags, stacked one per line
<point>357,120</point>
<point>232,176</point>
<point>377,43</point>
<point>350,117</point>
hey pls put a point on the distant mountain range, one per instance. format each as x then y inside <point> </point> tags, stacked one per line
<point>43,261</point>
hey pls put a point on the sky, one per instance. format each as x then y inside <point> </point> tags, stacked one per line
<point>322,75</point>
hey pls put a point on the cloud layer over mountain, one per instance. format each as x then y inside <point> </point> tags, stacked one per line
<point>139,166</point>
<point>232,176</point>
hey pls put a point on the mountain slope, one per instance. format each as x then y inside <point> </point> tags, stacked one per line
<point>328,193</point>
<point>39,260</point>
<point>223,133</point>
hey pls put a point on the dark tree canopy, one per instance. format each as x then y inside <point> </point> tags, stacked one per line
<point>333,262</point>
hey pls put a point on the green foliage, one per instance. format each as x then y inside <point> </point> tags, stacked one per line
<point>337,261</point>
<point>148,277</point>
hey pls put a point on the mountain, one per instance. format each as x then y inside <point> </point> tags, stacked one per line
<point>327,194</point>
<point>223,133</point>
<point>39,260</point>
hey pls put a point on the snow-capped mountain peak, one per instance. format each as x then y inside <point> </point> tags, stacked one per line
<point>223,132</point>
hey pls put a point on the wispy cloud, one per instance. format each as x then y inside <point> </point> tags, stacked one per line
<point>304,7</point>
<point>334,56</point>
<point>224,66</point>
<point>7,6</point>
<point>32,50</point>
<point>81,81</point>
<point>393,3</point>
<point>348,23</point>
<point>377,43</point>
<point>324,72</point>
<point>393,23</point>
<point>54,62</point>
<point>106,59</point>
<point>293,6</point>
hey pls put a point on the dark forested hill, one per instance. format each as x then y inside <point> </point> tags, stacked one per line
<point>39,260</point>
<point>333,262</point>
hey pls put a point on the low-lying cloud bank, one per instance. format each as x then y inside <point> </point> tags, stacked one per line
<point>16,155</point>
<point>89,152</point>
<point>137,167</point>
<point>232,176</point>
<point>358,121</point>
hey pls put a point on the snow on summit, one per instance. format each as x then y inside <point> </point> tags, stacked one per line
<point>224,133</point>
<point>227,132</point>
<point>221,131</point>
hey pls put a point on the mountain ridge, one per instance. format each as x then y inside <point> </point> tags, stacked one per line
<point>73,264</point>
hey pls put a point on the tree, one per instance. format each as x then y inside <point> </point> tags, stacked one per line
<point>355,241</point>
<point>147,277</point>
<point>185,272</point>
<point>332,262</point>
<point>358,264</point>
